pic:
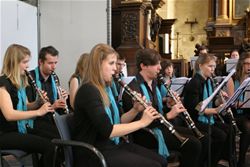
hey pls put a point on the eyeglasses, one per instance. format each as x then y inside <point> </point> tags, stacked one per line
<point>246,63</point>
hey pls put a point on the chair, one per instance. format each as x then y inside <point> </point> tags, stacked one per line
<point>61,122</point>
<point>18,154</point>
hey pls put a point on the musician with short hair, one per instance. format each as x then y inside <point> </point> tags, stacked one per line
<point>198,89</point>
<point>47,62</point>
<point>16,113</point>
<point>242,115</point>
<point>148,65</point>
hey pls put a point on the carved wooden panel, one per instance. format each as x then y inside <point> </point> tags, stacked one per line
<point>129,26</point>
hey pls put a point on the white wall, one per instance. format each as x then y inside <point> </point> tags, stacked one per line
<point>18,25</point>
<point>72,27</point>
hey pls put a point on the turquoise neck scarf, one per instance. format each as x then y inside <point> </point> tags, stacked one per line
<point>114,88</point>
<point>241,99</point>
<point>162,148</point>
<point>164,91</point>
<point>39,84</point>
<point>207,91</point>
<point>21,106</point>
<point>115,117</point>
<point>158,94</point>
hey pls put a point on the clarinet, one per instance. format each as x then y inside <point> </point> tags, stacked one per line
<point>59,90</point>
<point>39,91</point>
<point>162,119</point>
<point>187,117</point>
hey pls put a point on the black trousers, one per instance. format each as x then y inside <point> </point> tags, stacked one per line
<point>187,132</point>
<point>220,141</point>
<point>45,128</point>
<point>243,123</point>
<point>124,155</point>
<point>190,151</point>
<point>29,143</point>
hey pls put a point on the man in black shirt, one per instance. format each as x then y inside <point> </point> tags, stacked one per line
<point>48,58</point>
<point>148,66</point>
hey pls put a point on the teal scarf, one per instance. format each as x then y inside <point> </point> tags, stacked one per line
<point>114,88</point>
<point>241,99</point>
<point>54,90</point>
<point>162,148</point>
<point>115,118</point>
<point>207,91</point>
<point>21,106</point>
<point>164,91</point>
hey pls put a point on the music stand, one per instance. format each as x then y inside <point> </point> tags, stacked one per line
<point>178,84</point>
<point>231,64</point>
<point>192,61</point>
<point>242,88</point>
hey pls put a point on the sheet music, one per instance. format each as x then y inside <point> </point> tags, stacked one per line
<point>178,84</point>
<point>192,61</point>
<point>219,79</point>
<point>246,98</point>
<point>245,84</point>
<point>231,64</point>
<point>210,98</point>
<point>128,79</point>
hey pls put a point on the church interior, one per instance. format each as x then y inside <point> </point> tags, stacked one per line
<point>174,28</point>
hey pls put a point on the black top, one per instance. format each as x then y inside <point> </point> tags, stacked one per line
<point>46,86</point>
<point>90,123</point>
<point>193,94</point>
<point>8,126</point>
<point>135,86</point>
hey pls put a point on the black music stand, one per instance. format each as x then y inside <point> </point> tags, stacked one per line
<point>242,88</point>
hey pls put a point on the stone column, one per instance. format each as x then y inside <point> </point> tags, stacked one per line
<point>222,13</point>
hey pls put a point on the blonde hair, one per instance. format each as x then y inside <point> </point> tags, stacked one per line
<point>81,66</point>
<point>203,59</point>
<point>13,56</point>
<point>93,72</point>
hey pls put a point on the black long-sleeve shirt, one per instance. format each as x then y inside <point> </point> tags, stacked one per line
<point>135,85</point>
<point>90,123</point>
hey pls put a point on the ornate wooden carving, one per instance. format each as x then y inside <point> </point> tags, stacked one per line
<point>129,26</point>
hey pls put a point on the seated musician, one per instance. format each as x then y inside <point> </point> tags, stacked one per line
<point>148,65</point>
<point>97,118</point>
<point>48,58</point>
<point>242,115</point>
<point>16,113</point>
<point>76,78</point>
<point>198,89</point>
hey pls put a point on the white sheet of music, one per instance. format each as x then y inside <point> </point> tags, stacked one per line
<point>192,61</point>
<point>246,98</point>
<point>210,98</point>
<point>179,83</point>
<point>232,100</point>
<point>128,79</point>
<point>231,64</point>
